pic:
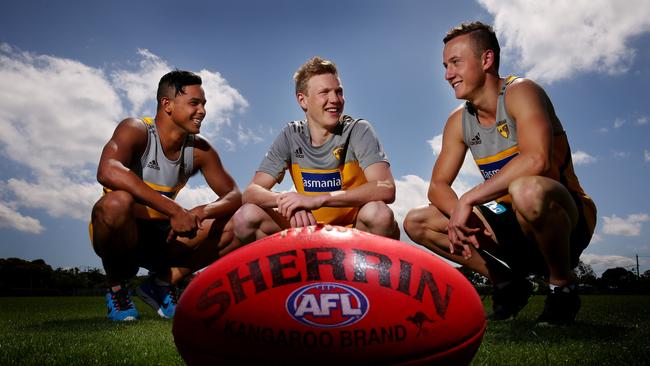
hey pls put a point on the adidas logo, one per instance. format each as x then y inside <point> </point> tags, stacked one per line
<point>153,165</point>
<point>299,153</point>
<point>297,128</point>
<point>476,140</point>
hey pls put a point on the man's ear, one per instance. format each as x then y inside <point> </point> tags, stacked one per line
<point>302,100</point>
<point>487,58</point>
<point>167,104</point>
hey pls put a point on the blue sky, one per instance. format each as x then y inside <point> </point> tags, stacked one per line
<point>70,71</point>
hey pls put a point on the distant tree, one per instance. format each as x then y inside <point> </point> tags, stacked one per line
<point>28,275</point>
<point>618,278</point>
<point>22,277</point>
<point>585,275</point>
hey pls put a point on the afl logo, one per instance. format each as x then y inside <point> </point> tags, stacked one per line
<point>327,305</point>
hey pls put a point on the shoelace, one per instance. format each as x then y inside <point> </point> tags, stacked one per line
<point>121,301</point>
<point>173,296</point>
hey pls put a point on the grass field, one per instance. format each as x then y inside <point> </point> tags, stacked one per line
<point>611,330</point>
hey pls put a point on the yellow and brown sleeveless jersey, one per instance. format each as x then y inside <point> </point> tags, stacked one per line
<point>165,176</point>
<point>493,147</point>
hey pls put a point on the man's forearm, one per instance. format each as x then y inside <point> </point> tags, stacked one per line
<point>359,196</point>
<point>260,196</point>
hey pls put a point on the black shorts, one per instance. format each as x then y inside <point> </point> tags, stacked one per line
<point>520,252</point>
<point>154,252</point>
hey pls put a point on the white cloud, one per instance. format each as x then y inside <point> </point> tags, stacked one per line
<point>630,226</point>
<point>223,101</point>
<point>582,158</point>
<point>140,88</point>
<point>620,154</point>
<point>618,123</point>
<point>411,193</point>
<point>603,130</point>
<point>600,263</point>
<point>646,155</point>
<point>246,135</point>
<point>59,196</point>
<point>554,39</point>
<point>9,218</point>
<point>57,115</point>
<point>469,167</point>
<point>190,197</point>
<point>140,85</point>
<point>643,120</point>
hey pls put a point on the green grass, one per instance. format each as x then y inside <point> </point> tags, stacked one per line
<point>75,331</point>
<point>611,330</point>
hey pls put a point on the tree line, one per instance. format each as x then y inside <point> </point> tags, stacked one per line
<point>19,277</point>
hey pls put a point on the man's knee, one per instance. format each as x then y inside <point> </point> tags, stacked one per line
<point>248,216</point>
<point>422,219</point>
<point>528,196</point>
<point>376,214</point>
<point>113,208</point>
<point>414,223</point>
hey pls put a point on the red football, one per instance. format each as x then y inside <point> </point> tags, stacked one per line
<point>329,295</point>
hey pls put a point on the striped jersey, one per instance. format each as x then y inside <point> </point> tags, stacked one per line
<point>493,147</point>
<point>336,165</point>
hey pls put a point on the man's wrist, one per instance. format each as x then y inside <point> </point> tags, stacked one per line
<point>322,199</point>
<point>467,199</point>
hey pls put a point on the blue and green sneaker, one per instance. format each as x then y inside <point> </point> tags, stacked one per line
<point>161,298</point>
<point>120,307</point>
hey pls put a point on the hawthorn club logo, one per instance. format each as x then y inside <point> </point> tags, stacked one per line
<point>502,127</point>
<point>338,152</point>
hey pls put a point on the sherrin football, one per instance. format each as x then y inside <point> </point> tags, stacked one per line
<point>329,295</point>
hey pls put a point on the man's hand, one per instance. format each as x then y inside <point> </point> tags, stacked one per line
<point>289,203</point>
<point>463,227</point>
<point>302,218</point>
<point>184,224</point>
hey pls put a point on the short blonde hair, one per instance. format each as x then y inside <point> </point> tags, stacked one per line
<point>314,66</point>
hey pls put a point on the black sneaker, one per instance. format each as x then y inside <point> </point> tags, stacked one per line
<point>509,300</point>
<point>561,306</point>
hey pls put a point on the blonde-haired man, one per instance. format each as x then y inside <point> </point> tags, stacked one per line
<point>339,169</point>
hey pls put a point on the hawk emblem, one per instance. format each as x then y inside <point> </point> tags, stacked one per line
<point>337,152</point>
<point>502,127</point>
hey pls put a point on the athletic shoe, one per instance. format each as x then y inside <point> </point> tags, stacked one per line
<point>561,306</point>
<point>160,298</point>
<point>508,300</point>
<point>120,306</point>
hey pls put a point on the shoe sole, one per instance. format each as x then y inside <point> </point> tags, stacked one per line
<point>127,319</point>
